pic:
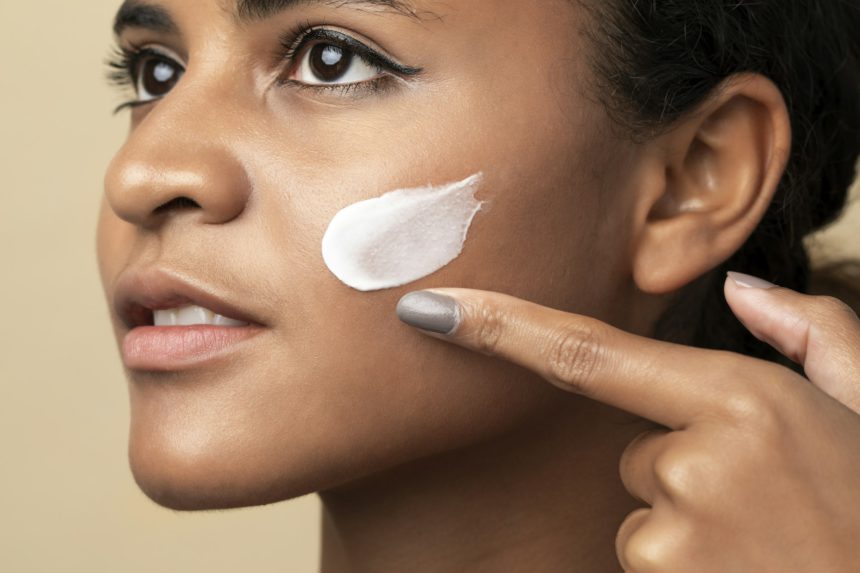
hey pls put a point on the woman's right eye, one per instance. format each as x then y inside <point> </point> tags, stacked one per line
<point>332,64</point>
<point>154,75</point>
<point>150,73</point>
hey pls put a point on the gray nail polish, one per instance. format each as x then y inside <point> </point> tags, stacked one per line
<point>749,281</point>
<point>429,311</point>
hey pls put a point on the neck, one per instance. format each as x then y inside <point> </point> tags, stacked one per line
<point>546,498</point>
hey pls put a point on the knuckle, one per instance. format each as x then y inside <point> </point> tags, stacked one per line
<point>489,327</point>
<point>646,551</point>
<point>573,356</point>
<point>755,409</point>
<point>677,474</point>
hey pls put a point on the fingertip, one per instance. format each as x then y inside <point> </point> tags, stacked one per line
<point>742,291</point>
<point>746,281</point>
<point>431,311</point>
<point>747,297</point>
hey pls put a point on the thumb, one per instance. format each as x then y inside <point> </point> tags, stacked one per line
<point>821,333</point>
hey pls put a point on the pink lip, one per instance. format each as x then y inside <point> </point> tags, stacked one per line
<point>168,348</point>
<point>139,292</point>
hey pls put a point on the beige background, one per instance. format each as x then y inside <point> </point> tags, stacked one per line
<point>67,499</point>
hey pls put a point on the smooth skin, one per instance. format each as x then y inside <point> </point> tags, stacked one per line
<point>426,457</point>
<point>758,468</point>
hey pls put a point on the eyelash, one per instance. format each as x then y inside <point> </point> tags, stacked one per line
<point>123,63</point>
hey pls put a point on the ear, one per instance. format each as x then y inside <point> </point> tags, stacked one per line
<point>704,186</point>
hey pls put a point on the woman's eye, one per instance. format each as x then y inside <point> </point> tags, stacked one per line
<point>154,76</point>
<point>332,64</point>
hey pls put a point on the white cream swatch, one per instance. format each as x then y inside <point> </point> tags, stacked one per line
<point>401,236</point>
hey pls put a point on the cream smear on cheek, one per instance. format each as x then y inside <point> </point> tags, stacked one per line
<point>401,236</point>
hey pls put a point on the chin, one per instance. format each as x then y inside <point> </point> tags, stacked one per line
<point>200,484</point>
<point>200,466</point>
<point>192,475</point>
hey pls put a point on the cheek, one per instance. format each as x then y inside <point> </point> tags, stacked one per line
<point>384,393</point>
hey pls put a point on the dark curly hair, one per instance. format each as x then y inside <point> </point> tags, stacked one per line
<point>660,59</point>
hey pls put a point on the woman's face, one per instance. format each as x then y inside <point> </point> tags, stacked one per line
<point>228,181</point>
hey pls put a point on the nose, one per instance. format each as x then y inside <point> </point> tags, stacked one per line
<point>177,160</point>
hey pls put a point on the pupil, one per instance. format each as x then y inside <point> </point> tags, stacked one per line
<point>158,77</point>
<point>329,62</point>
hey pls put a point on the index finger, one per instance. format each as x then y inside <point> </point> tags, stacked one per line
<point>668,383</point>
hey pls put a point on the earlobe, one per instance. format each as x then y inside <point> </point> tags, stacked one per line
<point>708,182</point>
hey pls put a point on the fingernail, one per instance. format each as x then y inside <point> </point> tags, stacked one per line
<point>429,311</point>
<point>749,281</point>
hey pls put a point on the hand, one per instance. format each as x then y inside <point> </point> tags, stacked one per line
<point>758,468</point>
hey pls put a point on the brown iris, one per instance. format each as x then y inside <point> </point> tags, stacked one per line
<point>158,76</point>
<point>329,62</point>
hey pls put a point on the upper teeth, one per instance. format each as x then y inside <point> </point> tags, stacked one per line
<point>191,315</point>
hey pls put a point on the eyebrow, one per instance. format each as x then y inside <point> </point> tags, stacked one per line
<point>141,14</point>
<point>249,10</point>
<point>137,14</point>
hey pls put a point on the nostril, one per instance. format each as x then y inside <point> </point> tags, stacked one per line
<point>178,204</point>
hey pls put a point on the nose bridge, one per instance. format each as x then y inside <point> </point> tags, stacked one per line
<point>180,154</point>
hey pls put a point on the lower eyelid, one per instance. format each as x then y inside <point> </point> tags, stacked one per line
<point>353,90</point>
